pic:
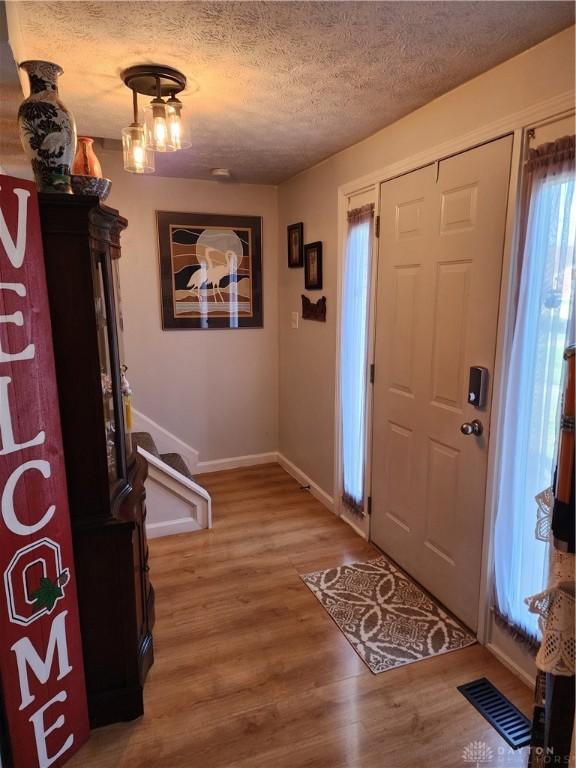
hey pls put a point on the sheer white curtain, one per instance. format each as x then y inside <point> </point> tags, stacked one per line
<point>543,322</point>
<point>354,354</point>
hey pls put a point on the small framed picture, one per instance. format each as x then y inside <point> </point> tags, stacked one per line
<point>313,266</point>
<point>296,245</point>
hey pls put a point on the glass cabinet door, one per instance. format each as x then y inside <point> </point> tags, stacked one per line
<point>109,369</point>
<point>127,409</point>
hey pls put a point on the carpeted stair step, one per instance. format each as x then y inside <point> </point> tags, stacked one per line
<point>176,461</point>
<point>144,440</point>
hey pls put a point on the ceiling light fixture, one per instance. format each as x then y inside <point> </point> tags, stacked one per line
<point>138,158</point>
<point>163,129</point>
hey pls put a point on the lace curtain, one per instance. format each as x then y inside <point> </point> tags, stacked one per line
<point>531,411</point>
<point>354,355</point>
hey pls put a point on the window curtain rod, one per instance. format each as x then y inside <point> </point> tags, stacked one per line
<point>551,156</point>
<point>356,215</point>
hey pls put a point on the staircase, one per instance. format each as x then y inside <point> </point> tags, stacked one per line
<point>175,503</point>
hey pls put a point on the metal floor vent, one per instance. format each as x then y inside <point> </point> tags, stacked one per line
<point>502,715</point>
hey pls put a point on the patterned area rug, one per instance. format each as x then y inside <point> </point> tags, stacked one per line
<point>386,617</point>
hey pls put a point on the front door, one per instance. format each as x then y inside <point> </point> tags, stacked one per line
<point>439,273</point>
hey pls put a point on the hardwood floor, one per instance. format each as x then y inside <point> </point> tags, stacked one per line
<point>251,672</point>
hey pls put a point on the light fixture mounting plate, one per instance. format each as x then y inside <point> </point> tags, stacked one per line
<point>143,78</point>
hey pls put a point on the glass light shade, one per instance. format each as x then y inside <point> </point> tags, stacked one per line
<point>138,158</point>
<point>177,128</point>
<point>156,123</point>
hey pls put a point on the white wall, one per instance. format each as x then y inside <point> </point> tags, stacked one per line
<point>283,399</point>
<point>216,390</point>
<point>233,393</point>
<point>307,355</point>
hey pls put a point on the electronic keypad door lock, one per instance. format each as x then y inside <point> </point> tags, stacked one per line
<point>478,386</point>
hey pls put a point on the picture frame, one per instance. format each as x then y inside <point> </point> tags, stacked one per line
<point>313,266</point>
<point>210,270</point>
<point>295,238</point>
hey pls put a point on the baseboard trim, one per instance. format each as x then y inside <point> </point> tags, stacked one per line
<point>234,462</point>
<point>516,669</point>
<point>303,479</point>
<point>253,460</point>
<point>172,527</point>
<point>356,528</point>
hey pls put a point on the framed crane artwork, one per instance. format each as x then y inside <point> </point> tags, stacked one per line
<point>210,270</point>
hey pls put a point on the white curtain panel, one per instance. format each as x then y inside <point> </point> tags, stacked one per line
<point>543,324</point>
<point>353,359</point>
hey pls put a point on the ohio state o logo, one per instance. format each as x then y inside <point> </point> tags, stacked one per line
<point>34,581</point>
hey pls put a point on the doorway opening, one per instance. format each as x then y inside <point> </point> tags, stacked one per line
<point>440,251</point>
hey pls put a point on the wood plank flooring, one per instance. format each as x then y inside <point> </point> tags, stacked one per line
<point>251,672</point>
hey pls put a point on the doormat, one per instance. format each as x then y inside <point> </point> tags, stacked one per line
<point>385,616</point>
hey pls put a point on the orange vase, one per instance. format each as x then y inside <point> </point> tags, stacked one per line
<point>85,162</point>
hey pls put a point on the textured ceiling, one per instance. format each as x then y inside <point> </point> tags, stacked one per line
<point>278,85</point>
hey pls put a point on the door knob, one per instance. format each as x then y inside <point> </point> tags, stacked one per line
<point>473,427</point>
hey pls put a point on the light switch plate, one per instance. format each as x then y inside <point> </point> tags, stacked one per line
<point>294,320</point>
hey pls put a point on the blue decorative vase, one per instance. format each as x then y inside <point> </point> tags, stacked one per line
<point>47,128</point>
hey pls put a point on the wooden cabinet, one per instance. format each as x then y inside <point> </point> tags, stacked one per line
<point>81,239</point>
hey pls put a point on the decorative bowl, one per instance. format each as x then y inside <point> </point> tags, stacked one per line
<point>91,185</point>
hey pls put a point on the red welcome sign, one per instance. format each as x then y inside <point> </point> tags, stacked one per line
<point>41,671</point>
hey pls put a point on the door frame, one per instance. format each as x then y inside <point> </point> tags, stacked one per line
<point>518,124</point>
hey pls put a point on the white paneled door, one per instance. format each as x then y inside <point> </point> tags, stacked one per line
<point>439,274</point>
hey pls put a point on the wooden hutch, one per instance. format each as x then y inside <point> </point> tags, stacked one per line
<point>105,476</point>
